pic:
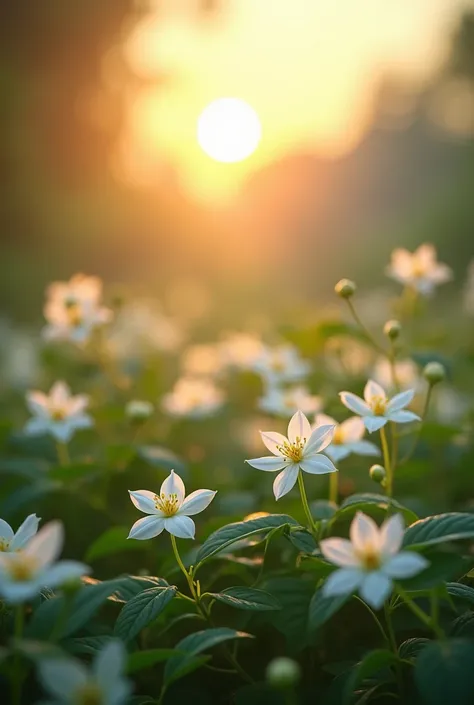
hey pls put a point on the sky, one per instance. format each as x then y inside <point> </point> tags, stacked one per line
<point>307,67</point>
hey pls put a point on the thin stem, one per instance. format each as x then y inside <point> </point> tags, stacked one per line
<point>386,461</point>
<point>17,680</point>
<point>394,647</point>
<point>185,572</point>
<point>63,454</point>
<point>333,487</point>
<point>393,366</point>
<point>365,330</point>
<point>304,501</point>
<point>375,618</point>
<point>422,616</point>
<point>416,435</point>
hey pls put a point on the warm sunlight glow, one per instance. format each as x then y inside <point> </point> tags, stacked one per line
<point>229,130</point>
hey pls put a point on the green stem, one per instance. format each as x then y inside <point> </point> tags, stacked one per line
<point>394,647</point>
<point>185,573</point>
<point>416,436</point>
<point>17,680</point>
<point>422,616</point>
<point>63,454</point>
<point>304,500</point>
<point>365,330</point>
<point>375,618</point>
<point>333,487</point>
<point>386,461</point>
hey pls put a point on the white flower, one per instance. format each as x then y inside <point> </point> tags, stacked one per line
<point>370,560</point>
<point>203,360</point>
<point>348,357</point>
<point>11,541</point>
<point>139,410</point>
<point>281,364</point>
<point>241,350</point>
<point>59,414</point>
<point>169,509</point>
<point>300,451</point>
<point>347,438</point>
<point>70,682</point>
<point>73,309</point>
<point>283,402</point>
<point>378,409</point>
<point>406,374</point>
<point>142,328</point>
<point>419,270</point>
<point>193,398</point>
<point>24,573</point>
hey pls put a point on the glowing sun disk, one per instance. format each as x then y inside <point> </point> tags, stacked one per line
<point>228,130</point>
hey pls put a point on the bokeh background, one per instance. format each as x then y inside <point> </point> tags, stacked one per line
<point>367,116</point>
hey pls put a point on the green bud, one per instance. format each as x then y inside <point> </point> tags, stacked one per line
<point>283,672</point>
<point>377,473</point>
<point>434,372</point>
<point>345,288</point>
<point>71,586</point>
<point>138,411</point>
<point>392,329</point>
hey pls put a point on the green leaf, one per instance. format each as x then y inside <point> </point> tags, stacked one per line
<point>294,595</point>
<point>441,528</point>
<point>229,534</point>
<point>193,645</point>
<point>162,458</point>
<point>86,644</point>
<point>302,540</point>
<point>368,502</point>
<point>127,586</point>
<point>461,592</point>
<point>322,608</point>
<point>246,598</point>
<point>444,672</point>
<point>322,510</point>
<point>114,540</point>
<point>411,648</point>
<point>141,610</point>
<point>463,626</point>
<point>371,664</point>
<point>140,660</point>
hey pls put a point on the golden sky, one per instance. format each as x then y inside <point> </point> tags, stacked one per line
<point>306,67</point>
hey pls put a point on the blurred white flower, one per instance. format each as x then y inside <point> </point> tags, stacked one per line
<point>348,357</point>
<point>449,405</point>
<point>24,573</point>
<point>193,398</point>
<point>11,541</point>
<point>370,560</point>
<point>419,270</point>
<point>283,402</point>
<point>241,350</point>
<point>406,373</point>
<point>73,309</point>
<point>19,356</point>
<point>299,451</point>
<point>469,291</point>
<point>347,438</point>
<point>378,409</point>
<point>59,414</point>
<point>281,364</point>
<point>203,360</point>
<point>169,509</point>
<point>70,682</point>
<point>139,410</point>
<point>141,328</point>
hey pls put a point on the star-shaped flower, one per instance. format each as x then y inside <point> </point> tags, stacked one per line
<point>378,409</point>
<point>347,438</point>
<point>59,414</point>
<point>420,269</point>
<point>10,542</point>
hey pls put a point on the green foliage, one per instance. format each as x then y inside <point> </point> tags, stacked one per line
<point>141,610</point>
<point>444,672</point>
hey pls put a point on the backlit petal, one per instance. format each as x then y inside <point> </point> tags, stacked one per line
<point>144,500</point>
<point>364,532</point>
<point>352,429</point>
<point>400,400</point>
<point>319,439</point>
<point>147,528</point>
<point>405,565</point>
<point>402,416</point>
<point>343,582</point>
<point>375,589</point>
<point>173,485</point>
<point>272,440</point>
<point>25,532</point>
<point>46,545</point>
<point>299,427</point>
<point>391,534</point>
<point>285,481</point>
<point>354,403</point>
<point>373,389</point>
<point>268,463</point>
<point>317,465</point>
<point>196,502</point>
<point>181,526</point>
<point>374,423</point>
<point>340,552</point>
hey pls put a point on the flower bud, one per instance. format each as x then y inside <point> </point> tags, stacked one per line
<point>377,473</point>
<point>139,411</point>
<point>72,586</point>
<point>345,288</point>
<point>434,372</point>
<point>392,329</point>
<point>283,672</point>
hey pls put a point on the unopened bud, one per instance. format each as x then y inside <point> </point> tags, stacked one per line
<point>283,672</point>
<point>139,411</point>
<point>377,473</point>
<point>392,329</point>
<point>345,288</point>
<point>434,372</point>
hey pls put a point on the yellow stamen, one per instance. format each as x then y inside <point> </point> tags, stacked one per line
<point>338,437</point>
<point>379,405</point>
<point>88,694</point>
<point>370,558</point>
<point>168,504</point>
<point>58,414</point>
<point>4,545</point>
<point>293,451</point>
<point>22,568</point>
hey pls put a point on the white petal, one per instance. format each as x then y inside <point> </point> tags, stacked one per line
<point>272,440</point>
<point>37,403</point>
<point>391,534</point>
<point>405,565</point>
<point>144,500</point>
<point>196,502</point>
<point>147,528</point>
<point>181,526</point>
<point>352,429</point>
<point>267,463</point>
<point>109,664</point>
<point>324,420</point>
<point>15,593</point>
<point>78,404</point>
<point>37,426</point>
<point>363,448</point>
<point>319,439</point>
<point>400,400</point>
<point>79,421</point>
<point>62,572</point>
<point>25,532</point>
<point>62,430</point>
<point>354,403</point>
<point>46,545</point>
<point>6,531</point>
<point>340,552</point>
<point>337,452</point>
<point>317,465</point>
<point>343,582</point>
<point>60,393</point>
<point>364,532</point>
<point>373,389</point>
<point>374,423</point>
<point>285,481</point>
<point>62,677</point>
<point>173,485</point>
<point>402,416</point>
<point>299,427</point>
<point>375,589</point>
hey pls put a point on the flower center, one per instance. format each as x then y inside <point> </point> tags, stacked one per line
<point>21,568</point>
<point>88,694</point>
<point>58,414</point>
<point>337,438</point>
<point>370,558</point>
<point>379,405</point>
<point>168,504</point>
<point>293,451</point>
<point>74,313</point>
<point>4,545</point>
<point>418,270</point>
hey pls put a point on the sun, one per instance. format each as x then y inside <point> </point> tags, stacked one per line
<point>229,130</point>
